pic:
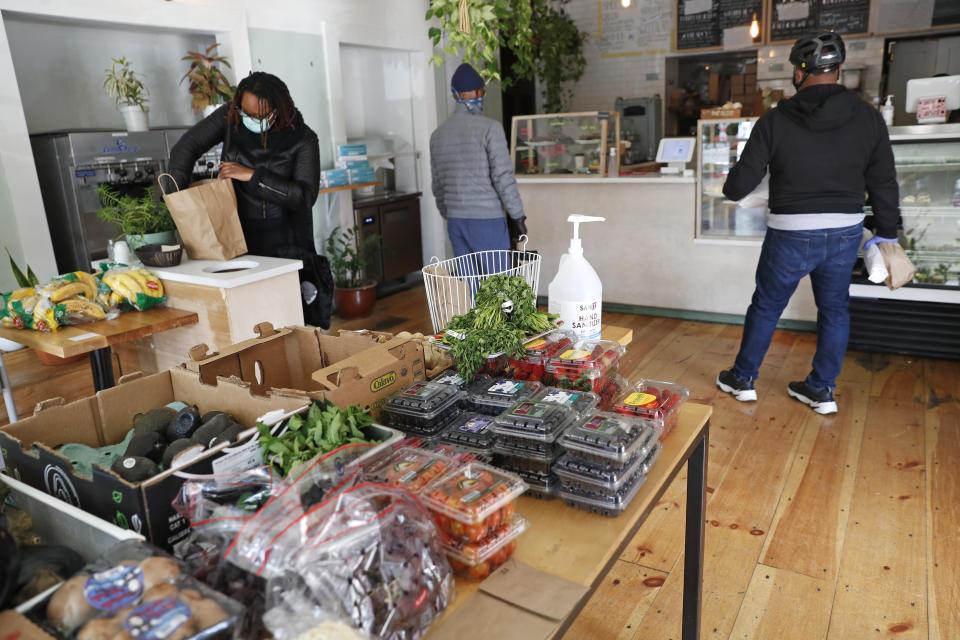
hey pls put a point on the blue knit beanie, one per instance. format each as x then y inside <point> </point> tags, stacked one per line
<point>466,78</point>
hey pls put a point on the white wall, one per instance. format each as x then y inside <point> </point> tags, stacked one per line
<point>395,24</point>
<point>72,56</point>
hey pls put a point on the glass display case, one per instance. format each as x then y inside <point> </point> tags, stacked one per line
<point>565,144</point>
<point>719,145</point>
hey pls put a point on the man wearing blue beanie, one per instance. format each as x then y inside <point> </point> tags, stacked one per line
<point>473,181</point>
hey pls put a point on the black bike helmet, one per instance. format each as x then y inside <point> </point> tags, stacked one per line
<point>818,54</point>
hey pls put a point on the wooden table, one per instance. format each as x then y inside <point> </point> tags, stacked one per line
<point>582,547</point>
<point>96,338</point>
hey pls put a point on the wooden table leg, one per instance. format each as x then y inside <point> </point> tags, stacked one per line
<point>101,364</point>
<point>693,544</point>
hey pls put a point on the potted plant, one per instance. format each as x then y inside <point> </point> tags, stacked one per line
<point>123,85</point>
<point>143,220</point>
<point>209,88</point>
<point>353,293</point>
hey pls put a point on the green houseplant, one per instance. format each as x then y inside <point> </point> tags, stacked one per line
<point>354,294</point>
<point>143,220</point>
<point>558,55</point>
<point>209,88</point>
<point>125,87</point>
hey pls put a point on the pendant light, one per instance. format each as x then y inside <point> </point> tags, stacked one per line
<point>754,27</point>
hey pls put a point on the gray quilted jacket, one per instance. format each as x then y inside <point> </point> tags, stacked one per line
<point>471,168</point>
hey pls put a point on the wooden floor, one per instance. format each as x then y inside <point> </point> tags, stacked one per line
<point>836,528</point>
<point>840,528</point>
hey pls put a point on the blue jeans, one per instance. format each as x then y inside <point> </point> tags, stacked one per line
<point>469,235</point>
<point>827,255</point>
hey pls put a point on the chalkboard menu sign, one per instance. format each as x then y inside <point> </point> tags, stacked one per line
<point>700,23</point>
<point>792,19</point>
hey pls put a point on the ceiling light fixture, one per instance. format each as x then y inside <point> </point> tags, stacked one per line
<point>625,3</point>
<point>754,27</point>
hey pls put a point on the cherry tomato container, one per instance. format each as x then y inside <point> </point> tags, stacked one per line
<point>424,409</point>
<point>654,399</point>
<point>587,365</point>
<point>578,401</point>
<point>477,560</point>
<point>493,396</point>
<point>411,468</point>
<point>471,432</point>
<point>605,505</point>
<point>531,420</point>
<point>471,501</point>
<point>540,486</point>
<point>532,365</point>
<point>611,439</point>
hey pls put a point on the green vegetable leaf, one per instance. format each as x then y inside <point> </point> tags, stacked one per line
<point>294,423</point>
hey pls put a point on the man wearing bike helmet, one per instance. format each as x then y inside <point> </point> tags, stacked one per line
<point>824,147</point>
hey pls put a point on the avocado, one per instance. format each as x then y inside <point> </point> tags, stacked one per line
<point>230,434</point>
<point>147,445</point>
<point>210,415</point>
<point>174,448</point>
<point>186,455</point>
<point>211,429</point>
<point>183,424</point>
<point>135,468</point>
<point>154,421</point>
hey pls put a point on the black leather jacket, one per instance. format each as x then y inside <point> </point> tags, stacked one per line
<point>286,174</point>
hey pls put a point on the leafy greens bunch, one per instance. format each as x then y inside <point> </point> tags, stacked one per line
<point>326,427</point>
<point>503,317</point>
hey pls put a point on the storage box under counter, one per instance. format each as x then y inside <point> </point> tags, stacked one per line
<point>229,297</point>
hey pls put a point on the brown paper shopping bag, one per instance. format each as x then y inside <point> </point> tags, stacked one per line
<point>898,264</point>
<point>206,217</point>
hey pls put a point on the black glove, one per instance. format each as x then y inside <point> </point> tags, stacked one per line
<point>517,227</point>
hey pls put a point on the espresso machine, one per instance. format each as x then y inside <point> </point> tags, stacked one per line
<point>70,167</point>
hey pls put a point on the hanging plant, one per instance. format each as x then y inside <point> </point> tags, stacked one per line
<point>559,59</point>
<point>475,30</point>
<point>208,85</point>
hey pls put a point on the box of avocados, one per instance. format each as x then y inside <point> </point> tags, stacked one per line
<point>33,448</point>
<point>353,367</point>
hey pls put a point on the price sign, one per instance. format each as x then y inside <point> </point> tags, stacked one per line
<point>932,109</point>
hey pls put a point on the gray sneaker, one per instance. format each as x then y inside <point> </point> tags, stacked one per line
<point>739,388</point>
<point>820,401</point>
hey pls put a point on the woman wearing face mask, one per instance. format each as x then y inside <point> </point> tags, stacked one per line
<point>273,159</point>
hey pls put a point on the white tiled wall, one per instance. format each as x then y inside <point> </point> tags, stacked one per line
<point>643,74</point>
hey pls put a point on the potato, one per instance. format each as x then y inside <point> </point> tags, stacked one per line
<point>162,590</point>
<point>159,570</point>
<point>101,629</point>
<point>190,594</point>
<point>207,613</point>
<point>406,335</point>
<point>68,609</point>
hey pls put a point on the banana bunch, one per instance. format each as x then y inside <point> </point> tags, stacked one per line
<point>138,287</point>
<point>77,283</point>
<point>20,305</point>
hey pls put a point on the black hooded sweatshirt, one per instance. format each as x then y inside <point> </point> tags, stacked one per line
<point>824,148</point>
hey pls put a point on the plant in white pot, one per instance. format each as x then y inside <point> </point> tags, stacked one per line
<point>353,292</point>
<point>123,85</point>
<point>143,220</point>
<point>209,88</point>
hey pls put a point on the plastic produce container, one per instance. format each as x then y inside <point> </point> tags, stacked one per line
<point>654,399</point>
<point>612,390</point>
<point>471,432</point>
<point>588,365</point>
<point>611,439</point>
<point>579,401</point>
<point>577,473</point>
<point>493,396</point>
<point>543,421</point>
<point>410,468</point>
<point>424,409</point>
<point>452,378</point>
<point>478,559</point>
<point>604,504</point>
<point>532,365</point>
<point>526,456</point>
<point>540,486</point>
<point>473,500</point>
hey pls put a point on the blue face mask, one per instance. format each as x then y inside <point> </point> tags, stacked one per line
<point>256,125</point>
<point>473,105</point>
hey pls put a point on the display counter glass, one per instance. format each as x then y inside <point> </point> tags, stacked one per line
<point>719,145</point>
<point>564,144</point>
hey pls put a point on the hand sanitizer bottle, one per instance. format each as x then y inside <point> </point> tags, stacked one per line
<point>576,293</point>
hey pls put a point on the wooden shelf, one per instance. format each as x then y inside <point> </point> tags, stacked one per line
<point>349,187</point>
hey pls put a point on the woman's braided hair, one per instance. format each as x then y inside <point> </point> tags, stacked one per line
<point>272,93</point>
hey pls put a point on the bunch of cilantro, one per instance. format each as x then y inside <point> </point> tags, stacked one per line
<point>326,427</point>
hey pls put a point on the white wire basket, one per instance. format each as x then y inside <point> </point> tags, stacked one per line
<point>451,284</point>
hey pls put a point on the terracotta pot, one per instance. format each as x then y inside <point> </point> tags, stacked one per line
<point>355,302</point>
<point>52,360</point>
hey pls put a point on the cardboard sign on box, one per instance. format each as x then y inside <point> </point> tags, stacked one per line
<point>362,368</point>
<point>29,446</point>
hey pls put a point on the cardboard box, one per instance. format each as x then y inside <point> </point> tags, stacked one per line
<point>736,84</point>
<point>29,446</point>
<point>719,114</point>
<point>344,150</point>
<point>334,178</point>
<point>16,626</point>
<point>714,92</point>
<point>361,368</point>
<point>361,175</point>
<point>353,162</point>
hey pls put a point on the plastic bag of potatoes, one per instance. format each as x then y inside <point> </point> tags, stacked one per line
<point>137,591</point>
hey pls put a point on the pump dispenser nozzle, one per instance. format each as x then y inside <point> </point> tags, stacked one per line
<point>576,219</point>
